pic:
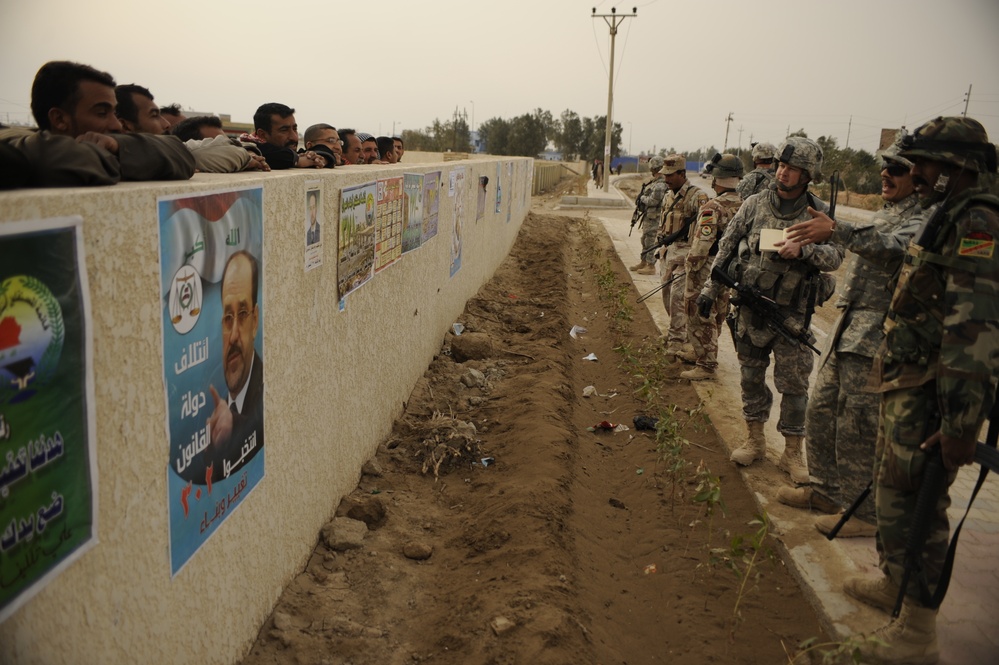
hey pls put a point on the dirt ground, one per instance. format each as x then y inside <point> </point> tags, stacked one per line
<point>567,546</point>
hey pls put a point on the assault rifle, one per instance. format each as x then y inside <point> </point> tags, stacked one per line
<point>662,286</point>
<point>765,308</point>
<point>640,208</point>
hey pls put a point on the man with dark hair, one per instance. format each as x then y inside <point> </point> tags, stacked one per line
<point>351,147</point>
<point>324,140</point>
<point>214,151</point>
<point>79,140</point>
<point>400,147</point>
<point>276,134</point>
<point>369,148</point>
<point>198,127</point>
<point>137,112</point>
<point>172,114</point>
<point>386,150</point>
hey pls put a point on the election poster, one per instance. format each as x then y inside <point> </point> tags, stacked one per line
<point>499,189</point>
<point>356,241</point>
<point>457,185</point>
<point>314,223</point>
<point>431,204</point>
<point>388,222</point>
<point>412,232</point>
<point>212,278</point>
<point>48,502</point>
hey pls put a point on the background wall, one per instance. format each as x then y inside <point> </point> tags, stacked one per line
<point>335,381</point>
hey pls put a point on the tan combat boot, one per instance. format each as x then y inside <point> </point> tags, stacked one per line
<point>879,592</point>
<point>911,639</point>
<point>699,373</point>
<point>791,462</point>
<point>638,266</point>
<point>755,447</point>
<point>649,269</point>
<point>853,528</point>
<point>807,498</point>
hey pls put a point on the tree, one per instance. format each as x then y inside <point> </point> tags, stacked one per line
<point>495,134</point>
<point>569,135</point>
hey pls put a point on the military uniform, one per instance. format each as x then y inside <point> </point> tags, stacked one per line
<point>842,417</point>
<point>758,180</point>
<point>652,199</point>
<point>679,207</point>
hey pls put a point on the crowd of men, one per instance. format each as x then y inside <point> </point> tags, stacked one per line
<point>92,131</point>
<point>910,371</point>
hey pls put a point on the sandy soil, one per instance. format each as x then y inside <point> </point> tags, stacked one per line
<point>572,546</point>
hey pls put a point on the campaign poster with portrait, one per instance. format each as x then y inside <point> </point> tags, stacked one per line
<point>356,241</point>
<point>388,222</point>
<point>431,204</point>
<point>412,192</point>
<point>457,185</point>
<point>499,188</point>
<point>509,196</point>
<point>314,223</point>
<point>212,279</point>
<point>48,470</point>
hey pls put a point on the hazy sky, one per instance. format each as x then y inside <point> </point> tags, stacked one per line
<point>680,67</point>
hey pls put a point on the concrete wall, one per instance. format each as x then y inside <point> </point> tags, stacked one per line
<point>326,410</point>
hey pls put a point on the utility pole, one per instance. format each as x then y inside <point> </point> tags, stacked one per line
<point>740,138</point>
<point>849,126</point>
<point>967,99</point>
<point>728,121</point>
<point>612,20</point>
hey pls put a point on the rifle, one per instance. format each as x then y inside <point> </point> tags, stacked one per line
<point>764,307</point>
<point>833,192</point>
<point>662,286</point>
<point>640,208</point>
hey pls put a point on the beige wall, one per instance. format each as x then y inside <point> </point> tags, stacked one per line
<point>334,383</point>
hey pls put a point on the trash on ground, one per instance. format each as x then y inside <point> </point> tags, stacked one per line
<point>645,422</point>
<point>622,428</point>
<point>457,328</point>
<point>650,569</point>
<point>589,391</point>
<point>604,425</point>
<point>486,461</point>
<point>576,331</point>
<point>592,357</point>
<point>639,471</point>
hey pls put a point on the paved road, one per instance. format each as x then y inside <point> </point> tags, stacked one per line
<point>970,614</point>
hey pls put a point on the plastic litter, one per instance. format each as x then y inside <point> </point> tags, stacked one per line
<point>622,428</point>
<point>576,331</point>
<point>457,328</point>
<point>486,461</point>
<point>651,569</point>
<point>603,425</point>
<point>592,357</point>
<point>589,391</point>
<point>645,423</point>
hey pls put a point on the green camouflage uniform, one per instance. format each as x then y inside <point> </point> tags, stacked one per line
<point>787,282</point>
<point>841,422</point>
<point>711,223</point>
<point>756,181</point>
<point>688,200</point>
<point>652,198</point>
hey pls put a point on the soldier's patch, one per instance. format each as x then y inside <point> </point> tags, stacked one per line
<point>707,230</point>
<point>977,244</point>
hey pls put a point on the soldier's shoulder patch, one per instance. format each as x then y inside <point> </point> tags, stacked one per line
<point>978,244</point>
<point>707,214</point>
<point>707,229</point>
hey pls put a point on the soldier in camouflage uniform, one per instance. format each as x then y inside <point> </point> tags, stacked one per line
<point>792,276</point>
<point>841,422</point>
<point>712,220</point>
<point>679,214</point>
<point>937,369</point>
<point>652,199</point>
<point>762,175</point>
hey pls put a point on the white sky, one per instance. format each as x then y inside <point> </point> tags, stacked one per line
<point>681,67</point>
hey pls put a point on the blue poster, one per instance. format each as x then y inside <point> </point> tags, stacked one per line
<point>211,267</point>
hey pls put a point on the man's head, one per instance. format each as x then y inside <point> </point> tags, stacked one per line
<point>323,135</point>
<point>172,114</point>
<point>799,161</point>
<point>725,171</point>
<point>763,155</point>
<point>137,112</point>
<point>275,124</point>
<point>369,148</point>
<point>351,147</point>
<point>198,127</point>
<point>313,197</point>
<point>386,149</point>
<point>674,171</point>
<point>948,154</point>
<point>240,317</point>
<point>655,165</point>
<point>896,181</point>
<point>400,147</point>
<point>70,98</point>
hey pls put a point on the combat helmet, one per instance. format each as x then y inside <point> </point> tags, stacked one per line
<point>655,163</point>
<point>802,153</point>
<point>764,152</point>
<point>952,140</point>
<point>893,152</point>
<point>724,166</point>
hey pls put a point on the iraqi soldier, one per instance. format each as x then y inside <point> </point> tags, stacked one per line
<point>937,369</point>
<point>683,201</point>
<point>763,172</point>
<point>652,200</point>
<point>841,423</point>
<point>790,275</point>
<point>712,220</point>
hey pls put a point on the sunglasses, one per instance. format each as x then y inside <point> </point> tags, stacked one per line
<point>895,170</point>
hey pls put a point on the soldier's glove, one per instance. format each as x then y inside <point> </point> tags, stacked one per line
<point>704,305</point>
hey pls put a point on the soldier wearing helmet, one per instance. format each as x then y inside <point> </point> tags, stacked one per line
<point>652,199</point>
<point>762,175</point>
<point>937,369</point>
<point>712,220</point>
<point>841,422</point>
<point>790,275</point>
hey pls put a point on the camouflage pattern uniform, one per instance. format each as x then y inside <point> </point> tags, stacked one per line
<point>653,197</point>
<point>790,283</point>
<point>842,417</point>
<point>679,206</point>
<point>712,221</point>
<point>756,181</point>
<point>940,357</point>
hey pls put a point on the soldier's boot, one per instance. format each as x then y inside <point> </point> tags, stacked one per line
<point>754,448</point>
<point>911,639</point>
<point>879,592</point>
<point>649,269</point>
<point>791,461</point>
<point>806,498</point>
<point>699,373</point>
<point>673,348</point>
<point>686,354</point>
<point>638,266</point>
